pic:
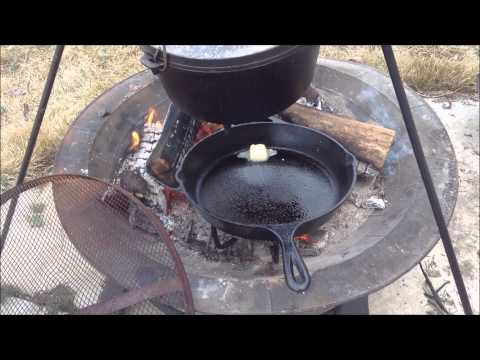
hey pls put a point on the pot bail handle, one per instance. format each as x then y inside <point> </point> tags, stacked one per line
<point>154,62</point>
<point>291,258</point>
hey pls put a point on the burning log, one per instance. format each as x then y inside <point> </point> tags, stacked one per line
<point>151,124</point>
<point>135,141</point>
<point>132,182</point>
<point>159,166</point>
<point>368,142</point>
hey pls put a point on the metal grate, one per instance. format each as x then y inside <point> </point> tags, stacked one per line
<point>71,249</point>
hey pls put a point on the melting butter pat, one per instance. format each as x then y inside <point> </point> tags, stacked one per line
<point>257,153</point>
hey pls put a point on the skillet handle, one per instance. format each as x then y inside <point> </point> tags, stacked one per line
<point>291,258</point>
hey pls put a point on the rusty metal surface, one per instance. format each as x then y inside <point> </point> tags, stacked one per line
<point>386,246</point>
<point>132,297</point>
<point>73,232</point>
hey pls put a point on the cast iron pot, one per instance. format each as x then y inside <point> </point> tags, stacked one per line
<point>235,90</point>
<point>292,193</point>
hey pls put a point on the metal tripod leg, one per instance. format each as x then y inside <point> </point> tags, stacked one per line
<point>425,173</point>
<point>33,138</point>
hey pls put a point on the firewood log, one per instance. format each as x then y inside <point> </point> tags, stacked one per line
<point>368,142</point>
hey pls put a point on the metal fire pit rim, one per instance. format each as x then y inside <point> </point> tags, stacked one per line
<point>359,73</point>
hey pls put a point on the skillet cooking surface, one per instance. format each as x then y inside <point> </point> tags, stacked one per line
<point>289,187</point>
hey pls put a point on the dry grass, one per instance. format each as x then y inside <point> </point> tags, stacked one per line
<point>424,68</point>
<point>87,71</point>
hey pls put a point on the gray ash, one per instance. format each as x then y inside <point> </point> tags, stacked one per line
<point>316,99</point>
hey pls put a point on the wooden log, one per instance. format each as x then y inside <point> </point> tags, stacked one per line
<point>368,142</point>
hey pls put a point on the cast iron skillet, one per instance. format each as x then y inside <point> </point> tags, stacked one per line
<point>292,193</point>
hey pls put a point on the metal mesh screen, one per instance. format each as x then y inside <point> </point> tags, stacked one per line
<point>71,245</point>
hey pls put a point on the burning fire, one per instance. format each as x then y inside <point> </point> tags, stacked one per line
<point>151,119</point>
<point>151,114</point>
<point>135,143</point>
<point>303,237</point>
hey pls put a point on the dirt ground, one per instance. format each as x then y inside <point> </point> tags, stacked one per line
<point>406,295</point>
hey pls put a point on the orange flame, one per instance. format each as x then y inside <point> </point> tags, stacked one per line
<point>135,141</point>
<point>151,114</point>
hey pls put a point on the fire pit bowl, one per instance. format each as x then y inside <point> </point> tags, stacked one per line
<point>366,258</point>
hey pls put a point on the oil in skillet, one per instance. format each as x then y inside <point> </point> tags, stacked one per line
<point>287,188</point>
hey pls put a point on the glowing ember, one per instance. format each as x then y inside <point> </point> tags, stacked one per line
<point>303,237</point>
<point>206,128</point>
<point>171,196</point>
<point>135,143</point>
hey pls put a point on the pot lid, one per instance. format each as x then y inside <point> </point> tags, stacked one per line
<point>214,51</point>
